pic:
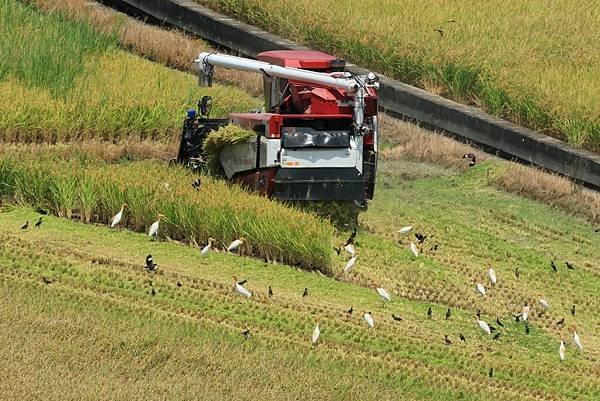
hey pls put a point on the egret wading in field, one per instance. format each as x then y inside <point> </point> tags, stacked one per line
<point>414,250</point>
<point>350,249</point>
<point>369,319</point>
<point>154,227</point>
<point>484,326</point>
<point>544,304</point>
<point>118,217</point>
<point>525,313</point>
<point>561,350</point>
<point>240,288</point>
<point>350,263</point>
<point>383,294</point>
<point>577,340</point>
<point>480,289</point>
<point>316,335</point>
<point>207,248</point>
<point>235,245</point>
<point>405,230</point>
<point>492,276</point>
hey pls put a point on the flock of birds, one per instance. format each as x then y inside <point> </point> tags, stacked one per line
<point>349,248</point>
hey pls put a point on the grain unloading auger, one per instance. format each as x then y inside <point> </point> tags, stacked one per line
<point>316,138</point>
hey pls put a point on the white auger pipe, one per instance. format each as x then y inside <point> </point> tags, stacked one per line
<point>207,60</point>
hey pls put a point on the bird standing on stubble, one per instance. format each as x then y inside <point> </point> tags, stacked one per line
<point>39,223</point>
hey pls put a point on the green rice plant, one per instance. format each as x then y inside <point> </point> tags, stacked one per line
<point>88,200</point>
<point>64,195</point>
<point>219,210</point>
<point>215,142</point>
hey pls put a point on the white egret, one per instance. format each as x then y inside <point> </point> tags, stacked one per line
<point>350,264</point>
<point>525,313</point>
<point>414,250</point>
<point>234,246</point>
<point>208,247</point>
<point>492,276</point>
<point>576,340</point>
<point>383,294</point>
<point>484,326</point>
<point>480,288</point>
<point>544,304</point>
<point>117,217</point>
<point>240,289</point>
<point>316,334</point>
<point>350,249</point>
<point>369,320</point>
<point>561,350</point>
<point>154,227</point>
<point>405,230</point>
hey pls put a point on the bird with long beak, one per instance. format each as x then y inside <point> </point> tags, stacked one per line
<point>525,312</point>
<point>383,294</point>
<point>240,288</point>
<point>405,230</point>
<point>235,245</point>
<point>350,263</point>
<point>577,340</point>
<point>207,248</point>
<point>492,276</point>
<point>154,227</point>
<point>350,249</point>
<point>544,304</point>
<point>118,217</point>
<point>414,250</point>
<point>369,319</point>
<point>316,335</point>
<point>561,351</point>
<point>484,326</point>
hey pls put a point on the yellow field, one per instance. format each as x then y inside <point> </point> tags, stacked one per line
<point>534,62</point>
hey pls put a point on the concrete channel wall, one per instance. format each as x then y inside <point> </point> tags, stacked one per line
<point>507,139</point>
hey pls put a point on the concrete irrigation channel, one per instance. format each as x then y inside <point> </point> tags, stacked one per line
<point>466,123</point>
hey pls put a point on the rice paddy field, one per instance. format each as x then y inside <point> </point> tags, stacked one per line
<point>535,63</point>
<point>83,319</point>
<point>68,81</point>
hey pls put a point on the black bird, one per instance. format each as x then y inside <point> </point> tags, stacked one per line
<point>597,230</point>
<point>152,291</point>
<point>440,32</point>
<point>496,336</point>
<point>448,314</point>
<point>24,226</point>
<point>517,318</point>
<point>492,328</point>
<point>499,322</point>
<point>471,157</point>
<point>39,223</point>
<point>179,284</point>
<point>242,282</point>
<point>46,280</point>
<point>561,321</point>
<point>553,265</point>
<point>526,328</point>
<point>446,340</point>
<point>150,265</point>
<point>517,274</point>
<point>305,293</point>
<point>462,338</point>
<point>351,238</point>
<point>491,374</point>
<point>349,311</point>
<point>451,21</point>
<point>397,318</point>
<point>569,266</point>
<point>270,292</point>
<point>434,247</point>
<point>41,211</point>
<point>479,314</point>
<point>246,333</point>
<point>337,250</point>
<point>420,237</point>
<point>196,184</point>
<point>573,310</point>
<point>429,312</point>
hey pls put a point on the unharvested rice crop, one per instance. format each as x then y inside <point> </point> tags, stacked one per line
<point>67,82</point>
<point>536,63</point>
<point>94,191</point>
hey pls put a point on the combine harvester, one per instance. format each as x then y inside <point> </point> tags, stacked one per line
<point>316,139</point>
